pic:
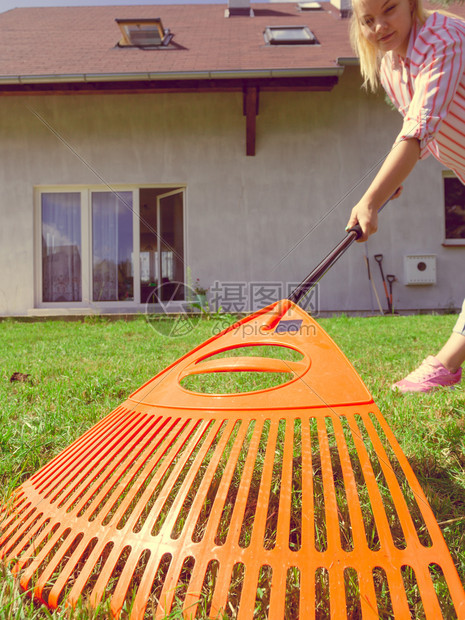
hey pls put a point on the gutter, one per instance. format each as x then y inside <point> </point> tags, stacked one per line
<point>184,75</point>
<point>349,61</point>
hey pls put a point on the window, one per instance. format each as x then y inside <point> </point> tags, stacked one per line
<point>143,33</point>
<point>454,204</point>
<point>289,35</point>
<point>101,248</point>
<point>161,246</point>
<point>309,6</point>
<point>112,246</point>
<point>61,247</point>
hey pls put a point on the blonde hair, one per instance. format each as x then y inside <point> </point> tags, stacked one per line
<point>369,55</point>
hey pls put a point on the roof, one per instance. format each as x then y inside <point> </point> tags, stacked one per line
<point>66,44</point>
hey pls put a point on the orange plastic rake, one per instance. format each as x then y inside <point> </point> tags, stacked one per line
<point>294,501</point>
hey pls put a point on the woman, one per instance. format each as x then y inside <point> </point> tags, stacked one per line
<point>419,58</point>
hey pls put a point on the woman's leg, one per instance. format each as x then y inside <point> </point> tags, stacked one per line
<point>444,369</point>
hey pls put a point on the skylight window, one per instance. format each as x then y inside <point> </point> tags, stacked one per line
<point>309,6</point>
<point>143,33</point>
<point>289,35</point>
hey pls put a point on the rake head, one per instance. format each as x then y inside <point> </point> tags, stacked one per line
<point>294,501</point>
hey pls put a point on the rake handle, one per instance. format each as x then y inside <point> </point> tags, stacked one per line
<point>315,276</point>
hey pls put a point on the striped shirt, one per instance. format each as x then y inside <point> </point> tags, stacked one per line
<point>428,89</point>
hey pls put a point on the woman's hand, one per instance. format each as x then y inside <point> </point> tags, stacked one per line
<point>366,215</point>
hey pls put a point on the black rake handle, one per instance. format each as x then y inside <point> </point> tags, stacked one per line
<point>315,276</point>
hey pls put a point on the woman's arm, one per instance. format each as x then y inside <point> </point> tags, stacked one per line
<point>395,169</point>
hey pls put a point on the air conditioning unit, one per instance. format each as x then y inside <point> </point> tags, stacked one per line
<point>420,269</point>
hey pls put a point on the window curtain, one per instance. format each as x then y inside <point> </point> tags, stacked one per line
<point>61,247</point>
<point>112,278</point>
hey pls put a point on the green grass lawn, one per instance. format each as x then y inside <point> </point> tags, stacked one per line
<point>79,371</point>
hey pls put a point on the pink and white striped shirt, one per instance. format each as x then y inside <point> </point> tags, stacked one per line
<point>428,89</point>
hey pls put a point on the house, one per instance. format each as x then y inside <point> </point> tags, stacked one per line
<point>145,149</point>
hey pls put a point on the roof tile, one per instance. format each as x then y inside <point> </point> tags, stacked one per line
<point>83,40</point>
<point>60,41</point>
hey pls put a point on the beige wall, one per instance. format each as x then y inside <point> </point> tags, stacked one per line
<point>248,218</point>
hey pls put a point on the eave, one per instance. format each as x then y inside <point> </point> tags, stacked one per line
<point>250,83</point>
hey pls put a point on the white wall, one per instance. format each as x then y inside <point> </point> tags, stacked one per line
<point>248,218</point>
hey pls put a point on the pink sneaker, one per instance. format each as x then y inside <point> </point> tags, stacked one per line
<point>429,375</point>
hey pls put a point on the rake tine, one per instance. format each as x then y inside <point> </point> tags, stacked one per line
<point>368,602</point>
